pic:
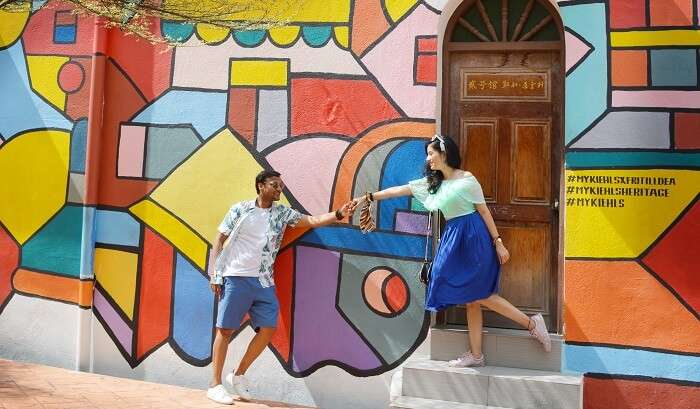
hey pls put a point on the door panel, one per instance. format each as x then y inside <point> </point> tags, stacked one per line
<point>509,139</point>
<point>480,140</point>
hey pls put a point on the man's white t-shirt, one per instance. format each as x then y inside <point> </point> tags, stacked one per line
<point>246,253</point>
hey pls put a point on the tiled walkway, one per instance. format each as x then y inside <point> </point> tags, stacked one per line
<point>36,386</point>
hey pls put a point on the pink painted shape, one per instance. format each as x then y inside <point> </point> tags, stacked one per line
<point>132,140</point>
<point>656,99</point>
<point>391,61</point>
<point>575,50</point>
<point>308,168</point>
<point>373,290</point>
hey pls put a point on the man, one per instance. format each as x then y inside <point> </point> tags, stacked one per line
<point>242,275</point>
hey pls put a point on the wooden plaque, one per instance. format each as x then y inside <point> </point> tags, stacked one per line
<point>505,85</point>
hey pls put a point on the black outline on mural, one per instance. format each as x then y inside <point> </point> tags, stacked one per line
<point>640,378</point>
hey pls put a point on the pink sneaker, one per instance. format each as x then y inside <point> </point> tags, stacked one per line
<point>467,360</point>
<point>539,331</point>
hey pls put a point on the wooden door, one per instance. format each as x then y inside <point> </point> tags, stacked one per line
<point>505,113</point>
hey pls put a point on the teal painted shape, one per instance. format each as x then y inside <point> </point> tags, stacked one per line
<point>620,159</point>
<point>78,145</point>
<point>167,147</point>
<point>417,206</point>
<point>316,36</point>
<point>632,362</point>
<point>674,67</point>
<point>176,31</point>
<point>587,85</point>
<point>56,247</point>
<point>249,38</point>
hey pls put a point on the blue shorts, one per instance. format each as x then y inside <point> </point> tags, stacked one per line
<point>241,295</point>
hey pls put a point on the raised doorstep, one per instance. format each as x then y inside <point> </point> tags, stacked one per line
<point>502,347</point>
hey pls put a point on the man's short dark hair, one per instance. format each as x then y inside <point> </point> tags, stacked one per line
<point>263,176</point>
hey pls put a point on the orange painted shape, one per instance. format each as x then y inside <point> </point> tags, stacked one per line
<point>284,283</point>
<point>153,323</point>
<point>9,259</point>
<point>350,162</point>
<point>368,24</point>
<point>59,288</point>
<point>671,12</point>
<point>628,393</point>
<point>618,302</point>
<point>629,68</point>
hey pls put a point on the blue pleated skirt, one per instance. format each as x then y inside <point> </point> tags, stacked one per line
<point>465,267</point>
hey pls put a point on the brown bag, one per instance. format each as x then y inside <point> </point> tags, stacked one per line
<point>366,222</point>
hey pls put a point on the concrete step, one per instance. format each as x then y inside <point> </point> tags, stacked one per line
<point>491,386</point>
<point>502,347</point>
<point>407,402</point>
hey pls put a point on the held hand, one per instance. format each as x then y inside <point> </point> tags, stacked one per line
<point>216,289</point>
<point>348,209</point>
<point>502,251</point>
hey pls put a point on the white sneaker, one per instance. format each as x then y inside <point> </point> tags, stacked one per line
<point>219,395</point>
<point>467,360</point>
<point>539,332</point>
<point>239,384</point>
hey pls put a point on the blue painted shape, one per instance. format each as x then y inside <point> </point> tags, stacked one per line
<point>205,111</point>
<point>351,240</point>
<point>193,311</point>
<point>589,81</point>
<point>617,361</point>
<point>316,36</point>
<point>78,144</point>
<point>57,246</point>
<point>20,108</point>
<point>37,4</point>
<point>674,67</point>
<point>405,163</point>
<point>114,227</point>
<point>176,31</point>
<point>87,243</point>
<point>64,34</point>
<point>621,159</point>
<point>249,38</point>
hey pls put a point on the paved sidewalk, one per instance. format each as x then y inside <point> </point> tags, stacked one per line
<point>36,386</point>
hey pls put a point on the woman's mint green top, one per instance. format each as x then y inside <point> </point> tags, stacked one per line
<point>454,198</point>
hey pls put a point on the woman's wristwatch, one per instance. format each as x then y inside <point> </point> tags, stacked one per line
<point>339,215</point>
<point>497,239</point>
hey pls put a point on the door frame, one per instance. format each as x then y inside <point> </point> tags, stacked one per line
<point>443,111</point>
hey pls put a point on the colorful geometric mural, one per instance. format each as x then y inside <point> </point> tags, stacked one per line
<point>631,313</point>
<point>130,199</point>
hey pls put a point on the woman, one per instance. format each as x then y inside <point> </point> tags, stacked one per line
<point>467,264</point>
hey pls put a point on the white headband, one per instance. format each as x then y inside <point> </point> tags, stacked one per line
<point>442,141</point>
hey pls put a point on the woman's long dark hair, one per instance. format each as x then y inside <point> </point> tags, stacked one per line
<point>435,177</point>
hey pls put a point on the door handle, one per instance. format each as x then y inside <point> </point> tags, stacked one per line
<point>555,205</point>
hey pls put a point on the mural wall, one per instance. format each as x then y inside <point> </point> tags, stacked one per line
<point>632,289</point>
<point>106,224</point>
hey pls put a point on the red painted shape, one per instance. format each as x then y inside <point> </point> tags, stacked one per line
<point>426,69</point>
<point>123,101</point>
<point>9,260</point>
<point>628,13</point>
<point>146,64</point>
<point>687,125</point>
<point>637,394</point>
<point>71,76</point>
<point>396,293</point>
<point>673,257</point>
<point>284,283</point>
<point>337,106</point>
<point>153,324</point>
<point>427,44</point>
<point>38,35</point>
<point>78,102</point>
<point>242,111</point>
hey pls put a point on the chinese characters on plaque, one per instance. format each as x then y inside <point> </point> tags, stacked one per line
<point>525,86</point>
